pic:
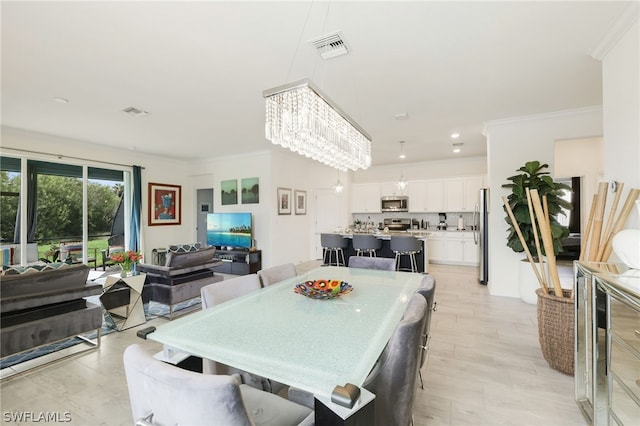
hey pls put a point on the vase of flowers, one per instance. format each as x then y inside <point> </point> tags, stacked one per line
<point>127,261</point>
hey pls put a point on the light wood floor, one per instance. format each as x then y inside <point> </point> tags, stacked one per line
<point>484,368</point>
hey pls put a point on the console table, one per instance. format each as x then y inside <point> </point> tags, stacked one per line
<point>238,262</point>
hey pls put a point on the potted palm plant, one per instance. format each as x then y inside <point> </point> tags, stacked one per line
<point>532,209</point>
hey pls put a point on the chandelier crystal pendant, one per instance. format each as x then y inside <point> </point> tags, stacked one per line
<point>300,117</point>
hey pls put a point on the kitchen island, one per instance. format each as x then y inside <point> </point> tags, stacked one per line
<point>422,258</point>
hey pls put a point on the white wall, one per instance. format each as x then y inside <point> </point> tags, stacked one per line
<point>621,110</point>
<point>511,143</point>
<point>282,238</point>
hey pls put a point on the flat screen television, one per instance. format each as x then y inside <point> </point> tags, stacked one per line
<point>229,230</point>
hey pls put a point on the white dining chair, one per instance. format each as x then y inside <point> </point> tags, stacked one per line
<point>162,394</point>
<point>223,291</point>
<point>275,274</point>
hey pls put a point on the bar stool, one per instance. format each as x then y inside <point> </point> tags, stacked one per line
<point>366,244</point>
<point>333,243</point>
<point>405,246</point>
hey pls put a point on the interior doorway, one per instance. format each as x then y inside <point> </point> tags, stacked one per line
<point>204,206</point>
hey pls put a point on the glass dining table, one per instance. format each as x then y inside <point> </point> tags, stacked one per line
<point>311,344</point>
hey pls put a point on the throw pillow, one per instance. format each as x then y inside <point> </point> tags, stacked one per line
<point>6,256</point>
<point>184,248</point>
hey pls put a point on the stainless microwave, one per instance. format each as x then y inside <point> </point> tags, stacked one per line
<point>394,204</point>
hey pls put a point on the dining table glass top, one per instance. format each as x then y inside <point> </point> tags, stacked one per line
<point>307,343</point>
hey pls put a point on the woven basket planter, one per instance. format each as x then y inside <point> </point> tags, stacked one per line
<point>556,330</point>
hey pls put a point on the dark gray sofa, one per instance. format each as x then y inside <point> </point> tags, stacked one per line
<point>38,308</point>
<point>181,278</point>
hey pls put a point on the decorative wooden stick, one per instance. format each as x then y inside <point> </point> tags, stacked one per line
<point>547,241</point>
<point>607,229</point>
<point>587,229</point>
<point>597,220</point>
<point>633,195</point>
<point>543,284</point>
<point>523,242</point>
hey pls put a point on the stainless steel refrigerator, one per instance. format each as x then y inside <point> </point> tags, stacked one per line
<point>481,233</point>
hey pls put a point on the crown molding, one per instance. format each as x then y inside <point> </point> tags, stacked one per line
<point>538,117</point>
<point>617,31</point>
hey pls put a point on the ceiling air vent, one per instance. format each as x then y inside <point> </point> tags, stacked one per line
<point>330,45</point>
<point>135,111</point>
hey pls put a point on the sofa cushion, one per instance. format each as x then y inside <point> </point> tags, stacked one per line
<point>18,270</point>
<point>45,282</point>
<point>191,258</point>
<point>184,248</point>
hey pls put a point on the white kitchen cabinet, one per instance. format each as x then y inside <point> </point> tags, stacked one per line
<point>434,195</point>
<point>391,188</point>
<point>436,247</point>
<point>461,194</point>
<point>365,198</point>
<point>454,248</point>
<point>454,195</point>
<point>417,193</point>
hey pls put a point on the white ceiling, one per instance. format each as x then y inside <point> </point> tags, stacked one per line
<point>200,68</point>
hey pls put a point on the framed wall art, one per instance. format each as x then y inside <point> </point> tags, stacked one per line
<point>250,189</point>
<point>164,204</point>
<point>229,192</point>
<point>300,198</point>
<point>284,201</point>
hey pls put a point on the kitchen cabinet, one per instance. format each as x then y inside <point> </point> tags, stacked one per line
<point>365,198</point>
<point>461,194</point>
<point>434,195</point>
<point>417,193</point>
<point>391,188</point>
<point>454,248</point>
<point>436,247</point>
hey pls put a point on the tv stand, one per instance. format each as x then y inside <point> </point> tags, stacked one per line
<point>238,261</point>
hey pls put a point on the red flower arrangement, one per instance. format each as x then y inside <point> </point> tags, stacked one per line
<point>126,260</point>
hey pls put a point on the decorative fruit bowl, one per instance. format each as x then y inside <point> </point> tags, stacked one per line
<point>323,289</point>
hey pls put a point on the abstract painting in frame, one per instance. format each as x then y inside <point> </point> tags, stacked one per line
<point>300,198</point>
<point>284,201</point>
<point>164,204</point>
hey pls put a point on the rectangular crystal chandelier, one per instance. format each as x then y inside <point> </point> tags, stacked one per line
<point>300,117</point>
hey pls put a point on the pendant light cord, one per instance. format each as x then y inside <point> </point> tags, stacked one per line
<point>295,54</point>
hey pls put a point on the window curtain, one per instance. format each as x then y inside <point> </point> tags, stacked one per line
<point>136,203</point>
<point>32,206</point>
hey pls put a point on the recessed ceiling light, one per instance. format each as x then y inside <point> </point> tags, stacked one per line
<point>457,147</point>
<point>402,116</point>
<point>455,135</point>
<point>61,100</point>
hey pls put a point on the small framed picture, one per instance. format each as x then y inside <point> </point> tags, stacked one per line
<point>250,189</point>
<point>164,204</point>
<point>229,192</point>
<point>284,201</point>
<point>300,198</point>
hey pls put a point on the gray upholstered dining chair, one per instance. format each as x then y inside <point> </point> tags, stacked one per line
<point>163,394</point>
<point>220,292</point>
<point>428,291</point>
<point>394,377</point>
<point>275,274</point>
<point>379,263</point>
